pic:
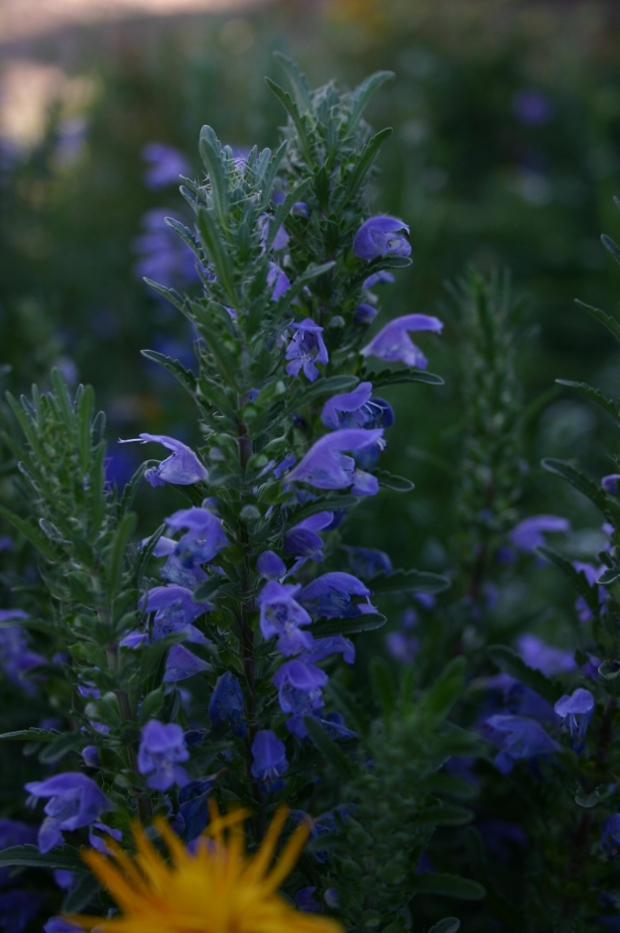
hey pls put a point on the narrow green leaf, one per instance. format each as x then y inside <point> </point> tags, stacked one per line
<point>130,490</point>
<point>365,622</point>
<point>395,483</point>
<point>84,408</point>
<point>446,815</point>
<point>211,154</point>
<point>353,714</point>
<point>174,367</point>
<point>577,578</point>
<point>64,400</point>
<point>298,80</point>
<point>27,427</point>
<point>388,378</point>
<point>171,295</point>
<point>606,319</point>
<point>31,533</point>
<point>126,528</point>
<point>269,176</point>
<point>65,857</point>
<point>81,894</point>
<point>448,886</point>
<point>220,258</point>
<point>446,690</point>
<point>362,166</point>
<point>509,662</point>
<point>447,925</point>
<point>363,93</point>
<point>611,247</point>
<point>328,748</point>
<point>186,235</point>
<point>593,394</point>
<point>30,735</point>
<point>284,209</point>
<point>577,479</point>
<point>382,680</point>
<point>609,576</point>
<point>291,108</point>
<point>61,746</point>
<point>409,581</point>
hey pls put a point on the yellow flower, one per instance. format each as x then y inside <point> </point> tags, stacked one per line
<point>216,889</point>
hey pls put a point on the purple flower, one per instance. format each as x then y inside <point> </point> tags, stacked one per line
<point>299,692</point>
<point>591,574</point>
<point>18,908</point>
<point>278,280</point>
<point>393,343</point>
<point>381,236</point>
<point>576,712</point>
<point>98,842</point>
<point>326,466</point>
<point>529,534</point>
<point>204,537</point>
<point>519,738</point>
<point>610,835</point>
<point>402,647</point>
<point>332,644</point>
<point>365,314</point>
<point>281,615</point>
<point>306,349</point>
<point>175,610</point>
<point>90,756</point>
<point>269,758</point>
<point>183,468</point>
<point>163,256</point>
<point>226,706</point>
<point>173,570</point>
<point>16,658</point>
<point>162,747</point>
<point>181,664</point>
<point>76,801</point>
<point>14,833</point>
<point>165,165</point>
<point>545,658</point>
<point>281,238</point>
<point>382,277</point>
<point>357,409</point>
<point>60,925</point>
<point>306,902</point>
<point>367,562</point>
<point>532,107</point>
<point>302,539</point>
<point>270,566</point>
<point>610,483</point>
<point>331,596</point>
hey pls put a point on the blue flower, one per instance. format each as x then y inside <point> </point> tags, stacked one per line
<point>269,758</point>
<point>14,833</point>
<point>367,562</point>
<point>18,908</point>
<point>226,706</point>
<point>576,712</point>
<point>75,801</point>
<point>302,539</point>
<point>610,835</point>
<point>270,566</point>
<point>610,483</point>
<point>393,343</point>
<point>281,615</point>
<point>326,466</point>
<point>357,409</point>
<point>175,610</point>
<point>519,738</point>
<point>300,693</point>
<point>306,349</point>
<point>183,468</point>
<point>546,658</point>
<point>204,537</point>
<point>381,236</point>
<point>529,534</point>
<point>173,570</point>
<point>532,107</point>
<point>162,747</point>
<point>383,277</point>
<point>306,902</point>
<point>331,595</point>
<point>165,165</point>
<point>60,925</point>
<point>16,657</point>
<point>365,314</point>
<point>181,664</point>
<point>163,255</point>
<point>279,281</point>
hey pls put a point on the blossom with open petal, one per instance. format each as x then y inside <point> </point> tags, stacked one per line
<point>393,343</point>
<point>182,467</point>
<point>327,466</point>
<point>306,349</point>
<point>382,236</point>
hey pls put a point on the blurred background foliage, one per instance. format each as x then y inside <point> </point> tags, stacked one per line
<point>505,154</point>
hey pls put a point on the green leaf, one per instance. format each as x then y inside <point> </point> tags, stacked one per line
<point>509,662</point>
<point>389,378</point>
<point>382,680</point>
<point>220,258</point>
<point>580,482</point>
<point>85,405</point>
<point>446,815</point>
<point>81,894</point>
<point>606,319</point>
<point>31,533</point>
<point>284,209</point>
<point>151,705</point>
<point>211,154</point>
<point>395,483</point>
<point>362,166</point>
<point>326,387</point>
<point>269,176</point>
<point>611,247</point>
<point>409,581</point>
<point>61,746</point>
<point>593,394</point>
<point>205,591</point>
<point>30,735</point>
<point>577,578</point>
<point>126,528</point>
<point>323,504</point>
<point>174,367</point>
<point>363,93</point>
<point>448,886</point>
<point>291,108</point>
<point>353,714</point>
<point>441,696</point>
<point>328,748</point>
<point>298,80</point>
<point>65,857</point>
<point>365,622</point>
<point>609,576</point>
<point>448,925</point>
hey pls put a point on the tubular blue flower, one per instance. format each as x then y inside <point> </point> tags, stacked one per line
<point>610,483</point>
<point>383,277</point>
<point>519,738</point>
<point>545,658</point>
<point>282,616</point>
<point>270,566</point>
<point>330,644</point>
<point>365,314</point>
<point>75,801</point>
<point>281,238</point>
<point>331,596</point>
<point>381,236</point>
<point>576,713</point>
<point>162,747</point>
<point>204,538</point>
<point>610,835</point>
<point>98,842</point>
<point>529,534</point>
<point>182,468</point>
<point>591,573</point>
<point>14,833</point>
<point>226,706</point>
<point>306,349</point>
<point>162,255</point>
<point>357,409</point>
<point>278,280</point>
<point>165,165</point>
<point>16,658</point>
<point>269,759</point>
<point>368,562</point>
<point>175,610</point>
<point>181,664</point>
<point>393,343</point>
<point>326,466</point>
<point>306,902</point>
<point>173,570</point>
<point>302,539</point>
<point>60,925</point>
<point>299,692</point>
